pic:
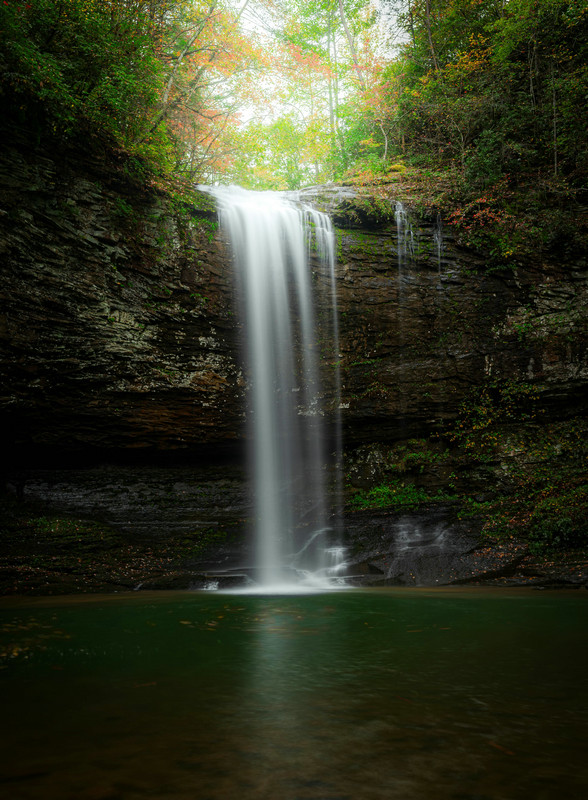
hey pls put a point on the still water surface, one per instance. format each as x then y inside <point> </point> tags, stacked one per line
<point>359,695</point>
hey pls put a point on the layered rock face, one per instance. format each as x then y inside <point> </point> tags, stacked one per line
<point>423,322</point>
<point>120,339</point>
<point>117,325</point>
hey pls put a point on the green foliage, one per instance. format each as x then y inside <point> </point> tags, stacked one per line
<point>483,166</point>
<point>132,73</point>
<point>366,210</point>
<point>272,155</point>
<point>495,403</point>
<point>516,478</point>
<point>541,495</point>
<point>421,459</point>
<point>76,63</point>
<point>483,98</point>
<point>397,494</point>
<point>560,520</point>
<point>492,90</point>
<point>122,208</point>
<point>550,514</point>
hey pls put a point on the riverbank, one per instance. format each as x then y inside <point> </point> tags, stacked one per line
<point>44,553</point>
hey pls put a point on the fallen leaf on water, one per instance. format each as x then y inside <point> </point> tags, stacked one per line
<point>501,748</point>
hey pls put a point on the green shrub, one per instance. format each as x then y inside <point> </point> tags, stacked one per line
<point>80,65</point>
<point>560,521</point>
<point>396,495</point>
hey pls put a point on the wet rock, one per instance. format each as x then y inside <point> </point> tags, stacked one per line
<point>119,327</point>
<point>103,344</point>
<point>120,344</point>
<point>146,503</point>
<point>426,548</point>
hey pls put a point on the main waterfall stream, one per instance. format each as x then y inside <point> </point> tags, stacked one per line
<point>271,237</point>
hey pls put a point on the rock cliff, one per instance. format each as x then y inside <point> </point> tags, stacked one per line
<point>423,322</point>
<point>119,339</point>
<point>117,323</point>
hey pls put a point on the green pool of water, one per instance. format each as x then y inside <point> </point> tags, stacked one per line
<point>359,695</point>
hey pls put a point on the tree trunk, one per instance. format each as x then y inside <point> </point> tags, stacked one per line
<point>429,34</point>
<point>554,107</point>
<point>351,44</point>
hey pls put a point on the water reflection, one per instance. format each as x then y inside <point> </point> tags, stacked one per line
<point>359,695</point>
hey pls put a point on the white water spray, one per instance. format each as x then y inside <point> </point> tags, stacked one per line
<point>271,238</point>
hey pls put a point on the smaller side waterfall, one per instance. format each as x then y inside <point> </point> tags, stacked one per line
<point>271,238</point>
<point>405,236</point>
<point>438,240</point>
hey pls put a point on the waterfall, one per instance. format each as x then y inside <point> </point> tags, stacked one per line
<point>271,238</point>
<point>438,240</point>
<point>405,256</point>
<point>405,236</point>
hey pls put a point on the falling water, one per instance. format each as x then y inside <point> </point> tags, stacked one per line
<point>438,240</point>
<point>325,245</point>
<point>271,238</point>
<point>405,236</point>
<point>404,255</point>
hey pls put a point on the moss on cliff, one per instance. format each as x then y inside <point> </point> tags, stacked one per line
<point>49,552</point>
<point>519,478</point>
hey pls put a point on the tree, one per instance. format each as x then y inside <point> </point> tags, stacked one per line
<point>158,78</point>
<point>491,86</point>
